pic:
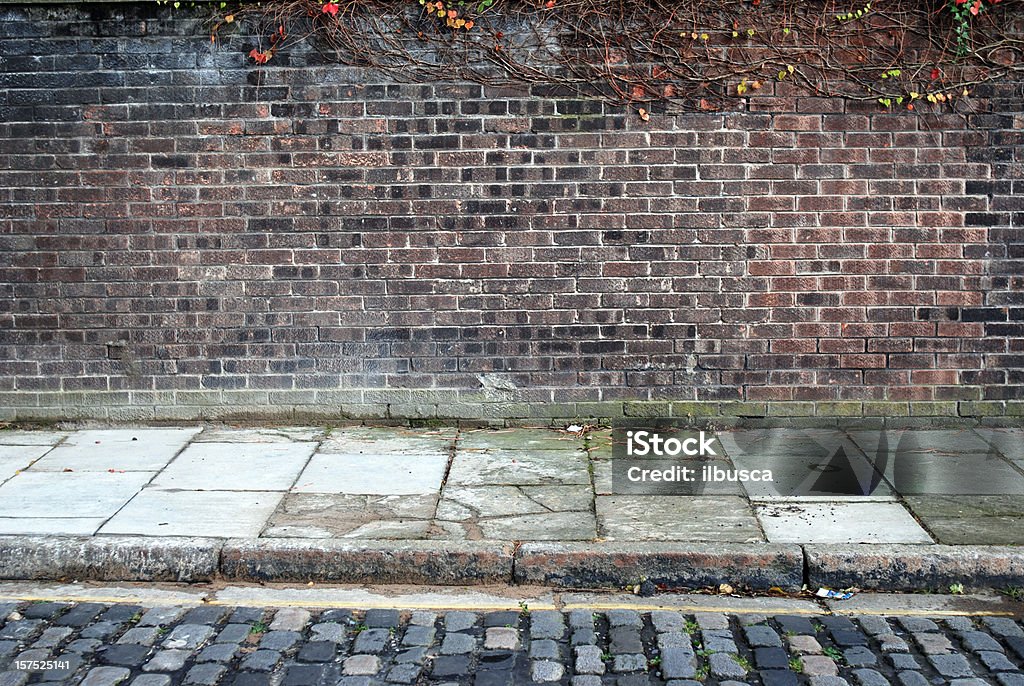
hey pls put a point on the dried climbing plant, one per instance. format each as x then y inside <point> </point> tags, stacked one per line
<point>664,54</point>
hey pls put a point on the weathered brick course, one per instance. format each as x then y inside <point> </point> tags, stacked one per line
<point>185,235</point>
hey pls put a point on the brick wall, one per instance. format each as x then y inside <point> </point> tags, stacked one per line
<point>184,235</point>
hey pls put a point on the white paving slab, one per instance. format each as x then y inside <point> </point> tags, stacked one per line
<point>125,449</point>
<point>845,522</point>
<point>14,458</point>
<point>218,514</point>
<point>373,474</point>
<point>63,494</point>
<point>236,466</point>
<point>69,526</point>
<point>31,437</point>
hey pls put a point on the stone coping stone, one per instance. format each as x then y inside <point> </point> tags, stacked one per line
<point>367,561</point>
<point>670,565</point>
<point>109,558</point>
<point>897,567</point>
<point>673,565</point>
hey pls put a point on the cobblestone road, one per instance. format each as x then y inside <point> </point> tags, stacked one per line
<point>97,644</point>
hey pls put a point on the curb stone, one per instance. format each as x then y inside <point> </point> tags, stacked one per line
<point>366,561</point>
<point>114,558</point>
<point>910,567</point>
<point>675,565</point>
<point>892,567</point>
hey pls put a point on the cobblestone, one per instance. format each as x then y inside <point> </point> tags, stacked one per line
<point>725,665</point>
<point>167,661</point>
<point>762,636</point>
<point>544,649</point>
<point>951,665</point>
<point>459,621</point>
<point>457,644</point>
<point>499,648</point>
<point>678,662</point>
<point>290,619</point>
<point>499,638</point>
<point>106,676</point>
<point>543,671</point>
<point>819,665</point>
<point>978,640</point>
<point>359,665</point>
<point>588,660</point>
<point>547,624</point>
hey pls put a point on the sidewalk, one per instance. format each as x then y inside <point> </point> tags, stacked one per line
<point>444,505</point>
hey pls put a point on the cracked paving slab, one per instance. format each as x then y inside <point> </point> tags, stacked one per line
<point>282,434</point>
<point>528,513</point>
<point>322,515</point>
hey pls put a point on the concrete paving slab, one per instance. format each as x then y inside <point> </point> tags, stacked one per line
<point>529,513</point>
<point>977,520</point>
<point>953,506</point>
<point>549,526</point>
<point>603,482</point>
<point>17,437</point>
<point>125,449</point>
<point>365,440</point>
<point>461,503</point>
<point>846,522</point>
<point>274,434</point>
<point>838,475</point>
<point>215,514</point>
<point>14,458</point>
<point>518,439</point>
<point>676,518</point>
<point>378,474</point>
<point>599,444</point>
<point>977,531</point>
<point>236,466</point>
<point>519,467</point>
<point>71,526</point>
<point>323,515</point>
<point>57,494</point>
<point>787,442</point>
<point>1009,442</point>
<point>944,473</point>
<point>897,441</point>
